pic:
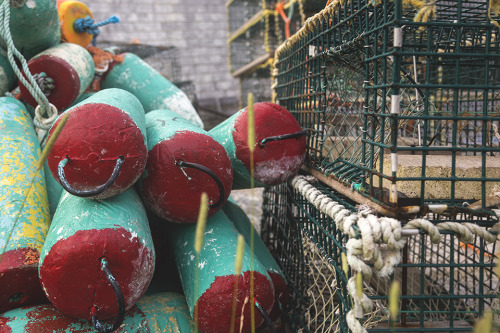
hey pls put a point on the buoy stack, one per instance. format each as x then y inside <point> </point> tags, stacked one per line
<point>124,153</point>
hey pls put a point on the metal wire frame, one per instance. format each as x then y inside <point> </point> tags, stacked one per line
<point>445,287</point>
<point>369,100</point>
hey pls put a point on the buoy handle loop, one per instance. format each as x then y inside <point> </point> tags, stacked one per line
<point>119,297</point>
<point>222,192</point>
<point>265,315</point>
<point>66,185</point>
<point>296,135</point>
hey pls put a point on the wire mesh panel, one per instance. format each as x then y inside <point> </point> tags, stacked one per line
<point>401,100</point>
<point>445,287</point>
<point>256,40</point>
<point>258,83</point>
<point>240,11</point>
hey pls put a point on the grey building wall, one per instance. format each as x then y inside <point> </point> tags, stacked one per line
<point>198,28</point>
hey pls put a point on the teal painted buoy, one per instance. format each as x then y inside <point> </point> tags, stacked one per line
<point>34,26</point>
<point>165,312</point>
<point>21,240</point>
<point>280,145</point>
<point>83,232</point>
<point>71,68</point>
<point>153,90</point>
<point>183,162</point>
<point>214,299</point>
<point>8,78</point>
<point>104,138</point>
<point>245,227</point>
<point>54,189</point>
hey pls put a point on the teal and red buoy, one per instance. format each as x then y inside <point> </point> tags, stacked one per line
<point>34,26</point>
<point>153,89</point>
<point>22,228</point>
<point>183,162</point>
<point>102,149</point>
<point>70,68</point>
<point>280,145</point>
<point>82,234</point>
<point>164,312</point>
<point>214,299</point>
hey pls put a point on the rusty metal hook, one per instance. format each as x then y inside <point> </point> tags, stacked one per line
<point>119,297</point>
<point>263,142</point>
<point>265,315</point>
<point>65,184</point>
<point>222,192</point>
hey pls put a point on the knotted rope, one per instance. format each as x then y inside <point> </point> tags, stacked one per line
<point>89,26</point>
<point>27,79</point>
<point>376,240</point>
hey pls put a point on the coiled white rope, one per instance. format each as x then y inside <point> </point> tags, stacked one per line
<point>379,241</point>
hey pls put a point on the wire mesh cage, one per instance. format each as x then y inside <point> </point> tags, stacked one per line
<point>163,59</point>
<point>258,83</point>
<point>241,11</point>
<point>401,101</point>
<point>254,43</point>
<point>445,287</point>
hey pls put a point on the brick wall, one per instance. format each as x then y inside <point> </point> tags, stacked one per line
<point>198,28</point>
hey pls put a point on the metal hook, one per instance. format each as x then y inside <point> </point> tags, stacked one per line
<point>263,142</point>
<point>64,182</point>
<point>263,313</point>
<point>222,192</point>
<point>119,297</point>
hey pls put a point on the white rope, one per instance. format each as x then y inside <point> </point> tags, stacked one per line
<point>379,241</point>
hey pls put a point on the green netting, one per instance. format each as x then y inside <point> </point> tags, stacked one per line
<point>405,113</point>
<point>446,287</point>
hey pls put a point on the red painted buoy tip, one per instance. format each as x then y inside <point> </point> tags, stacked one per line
<point>215,305</point>
<point>19,283</point>
<point>71,272</point>
<point>173,191</point>
<point>275,162</point>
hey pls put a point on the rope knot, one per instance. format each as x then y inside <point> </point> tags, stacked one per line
<point>89,26</point>
<point>45,83</point>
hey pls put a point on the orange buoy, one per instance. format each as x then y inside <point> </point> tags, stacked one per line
<point>70,11</point>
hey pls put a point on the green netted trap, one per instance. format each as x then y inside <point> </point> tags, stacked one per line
<point>445,287</point>
<point>402,102</point>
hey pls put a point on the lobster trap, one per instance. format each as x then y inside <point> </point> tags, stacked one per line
<point>401,100</point>
<point>445,287</point>
<point>258,82</point>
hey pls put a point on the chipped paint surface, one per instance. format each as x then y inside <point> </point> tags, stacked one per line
<point>173,192</point>
<point>34,27</point>
<point>94,145</point>
<point>19,150</point>
<point>242,223</point>
<point>81,233</point>
<point>216,274</point>
<point>275,163</point>
<point>153,90</point>
<point>165,312</point>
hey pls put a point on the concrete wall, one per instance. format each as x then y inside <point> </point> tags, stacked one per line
<point>198,28</point>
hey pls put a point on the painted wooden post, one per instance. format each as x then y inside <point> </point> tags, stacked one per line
<point>8,78</point>
<point>275,162</point>
<point>170,186</point>
<point>244,227</point>
<point>69,12</point>
<point>216,276</point>
<point>21,242</point>
<point>150,87</point>
<point>34,25</point>
<point>70,66</point>
<point>82,232</point>
<point>165,312</point>
<point>103,129</point>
